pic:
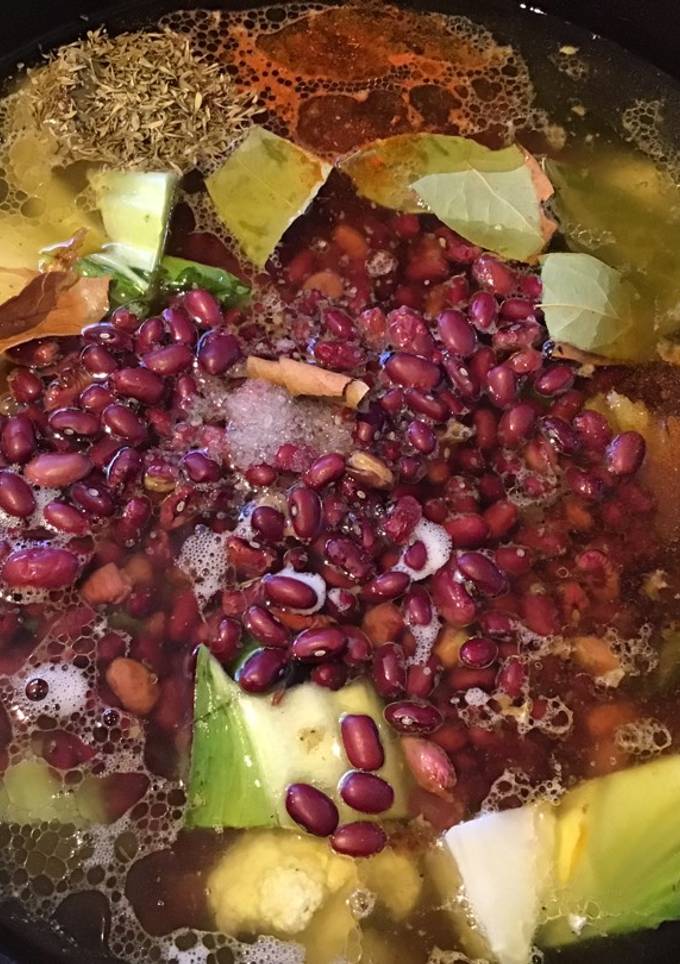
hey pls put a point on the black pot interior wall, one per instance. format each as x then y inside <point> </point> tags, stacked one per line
<point>648,29</point>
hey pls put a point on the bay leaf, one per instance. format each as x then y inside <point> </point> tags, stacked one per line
<point>262,187</point>
<point>491,201</point>
<point>491,197</point>
<point>588,304</point>
<point>621,207</point>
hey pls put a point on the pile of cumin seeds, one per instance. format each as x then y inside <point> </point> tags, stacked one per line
<point>142,100</point>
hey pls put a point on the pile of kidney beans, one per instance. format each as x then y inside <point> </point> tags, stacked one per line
<point>468,424</point>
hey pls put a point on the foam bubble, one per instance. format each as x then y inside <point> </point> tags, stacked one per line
<point>203,558</point>
<point>643,738</point>
<point>67,692</point>
<point>438,544</point>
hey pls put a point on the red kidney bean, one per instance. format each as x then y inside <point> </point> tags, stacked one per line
<point>415,556</point>
<point>203,307</point>
<point>421,679</point>
<point>486,428</point>
<point>479,652</point>
<point>98,361</point>
<point>593,429</point>
<point>218,351</point>
<point>261,474</point>
<point>587,485</point>
<point>169,360</point>
<point>496,624</point>
<point>366,792</point>
<point>501,518</point>
<point>311,809</point>
<point>430,766</point>
<point>290,592</point>
<point>418,607</point>
<point>554,380</point>
<point>332,676</point>
<point>512,678</point>
<point>539,613</point>
<point>412,371</point>
<point>56,469</point>
<point>463,379</point>
<point>411,716</point>
<point>361,741</point>
<point>179,326</point>
<point>338,323</point>
<point>388,585</point>
<point>200,468</point>
<point>456,332</point>
<point>16,497</point>
<point>483,310</point>
<point>452,599</point>
<point>141,384</point>
<point>392,401</point>
<point>560,435</point>
<point>567,405</point>
<point>325,470</point>
<point>501,386</point>
<point>73,421</point>
<point>124,467</point>
<point>468,530</point>
<point>105,334</point>
<point>519,335</point>
<point>224,642</point>
<point>149,335</point>
<point>262,669</point>
<point>359,839</point>
<point>93,497</point>
<point>304,506</point>
<point>265,628</point>
<point>491,487</point>
<point>268,523</point>
<point>17,439</point>
<point>626,453</point>
<point>318,645</point>
<point>95,398</point>
<point>407,330</point>
<point>359,649</point>
<point>526,361</point>
<point>24,385</point>
<point>411,469</point>
<point>122,422</point>
<point>484,573</point>
<point>493,275</point>
<point>349,557</point>
<point>125,320</point>
<point>517,309</point>
<point>389,671</point>
<point>66,518</point>
<point>41,568</point>
<point>516,425</point>
<point>421,437</point>
<point>423,404</point>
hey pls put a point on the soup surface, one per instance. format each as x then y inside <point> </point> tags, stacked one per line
<point>408,501</point>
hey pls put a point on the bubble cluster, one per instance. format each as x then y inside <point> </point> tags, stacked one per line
<point>643,738</point>
<point>513,788</point>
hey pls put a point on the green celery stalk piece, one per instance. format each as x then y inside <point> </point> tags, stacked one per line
<point>178,274</point>
<point>135,209</point>
<point>226,784</point>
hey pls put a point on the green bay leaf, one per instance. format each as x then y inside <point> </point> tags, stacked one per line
<point>497,210</point>
<point>262,187</point>
<point>588,304</point>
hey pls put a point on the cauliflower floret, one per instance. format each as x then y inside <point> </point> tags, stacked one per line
<point>396,880</point>
<point>275,882</point>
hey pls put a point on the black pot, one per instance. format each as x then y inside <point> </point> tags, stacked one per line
<point>648,29</point>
